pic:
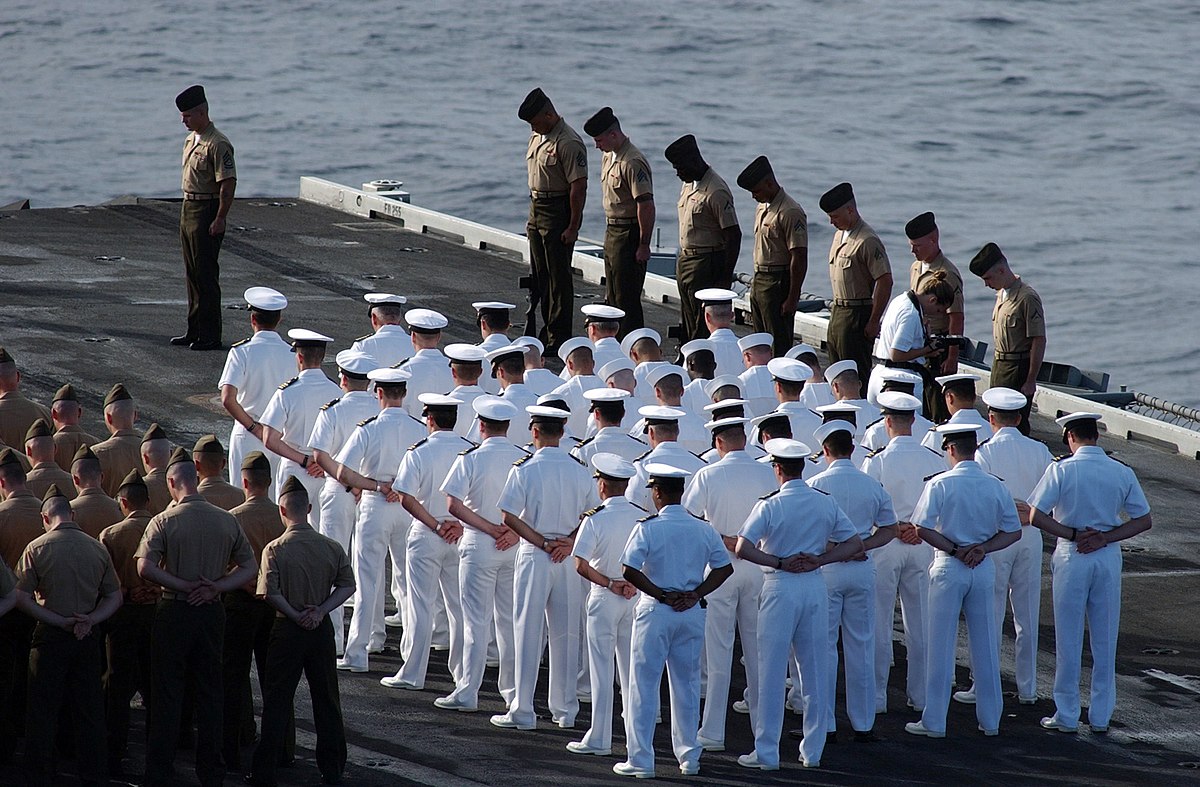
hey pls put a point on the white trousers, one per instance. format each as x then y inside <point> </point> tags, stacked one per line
<point>381,526</point>
<point>337,522</point>
<point>904,568</point>
<point>312,485</point>
<point>609,630</point>
<point>546,595</point>
<point>485,586</point>
<point>663,637</point>
<point>851,589</point>
<point>955,589</point>
<point>1019,583</point>
<point>793,614</point>
<point>432,567</point>
<point>734,605</point>
<point>241,444</point>
<point>1086,588</point>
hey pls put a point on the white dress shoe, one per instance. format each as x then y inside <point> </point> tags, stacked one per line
<point>1052,723</point>
<point>452,703</point>
<point>579,747</point>
<point>625,769</point>
<point>751,761</point>
<point>917,728</point>
<point>506,721</point>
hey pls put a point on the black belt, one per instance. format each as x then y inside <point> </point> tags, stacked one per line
<point>911,366</point>
<point>852,301</point>
<point>701,249</point>
<point>1011,356</point>
<point>770,268</point>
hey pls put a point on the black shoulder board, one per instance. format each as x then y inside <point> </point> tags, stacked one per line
<point>239,344</point>
<point>528,448</point>
<point>701,458</point>
<point>469,450</point>
<point>814,458</point>
<point>647,518</point>
<point>769,495</point>
<point>930,450</point>
<point>822,491</point>
<point>361,338</point>
<point>1060,458</point>
<point>983,443</point>
<point>998,478</point>
<point>331,404</point>
<point>401,363</point>
<point>522,460</point>
<point>876,452</point>
<point>369,420</point>
<point>635,505</point>
<point>418,444</point>
<point>577,459</point>
<point>643,456</point>
<point>877,420</point>
<point>636,439</point>
<point>289,382</point>
<point>934,475</point>
<point>590,511</point>
<point>584,442</point>
<point>1109,454</point>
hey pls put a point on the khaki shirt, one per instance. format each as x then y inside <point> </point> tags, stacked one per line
<point>44,474</point>
<point>20,523</point>
<point>17,414</point>
<point>261,523</point>
<point>95,511</point>
<point>556,160</point>
<point>118,455</point>
<point>221,493</point>
<point>121,540</point>
<point>156,486</point>
<point>1017,318</point>
<point>67,441</point>
<point>779,226</point>
<point>856,259</point>
<point>625,176</point>
<point>938,323</point>
<point>302,566</point>
<point>194,539</point>
<point>207,161</point>
<point>705,212</point>
<point>67,571</point>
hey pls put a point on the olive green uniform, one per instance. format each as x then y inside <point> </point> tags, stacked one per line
<point>44,474</point>
<point>20,523</point>
<point>779,226</point>
<point>95,511</point>
<point>68,440</point>
<point>118,455</point>
<point>706,210</point>
<point>1017,319</point>
<point>625,179</point>
<point>17,414</point>
<point>856,259</point>
<point>207,160</point>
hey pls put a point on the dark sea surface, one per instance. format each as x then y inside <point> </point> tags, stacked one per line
<point>1066,131</point>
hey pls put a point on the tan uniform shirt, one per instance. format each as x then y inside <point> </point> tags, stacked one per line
<point>44,474</point>
<point>221,493</point>
<point>207,161</point>
<point>67,441</point>
<point>67,571</point>
<point>705,212</point>
<point>17,414</point>
<point>156,486</point>
<point>118,455</point>
<point>303,566</point>
<point>625,176</point>
<point>1017,318</point>
<point>260,521</point>
<point>122,540</point>
<point>856,259</point>
<point>95,511</point>
<point>556,160</point>
<point>938,323</point>
<point>194,539</point>
<point>20,523</point>
<point>779,226</point>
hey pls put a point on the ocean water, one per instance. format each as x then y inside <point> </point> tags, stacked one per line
<point>1064,130</point>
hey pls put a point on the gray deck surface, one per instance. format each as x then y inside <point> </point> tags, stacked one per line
<point>69,315</point>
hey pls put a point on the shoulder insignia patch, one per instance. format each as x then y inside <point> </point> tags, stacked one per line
<point>467,451</point>
<point>769,495</point>
<point>401,363</point>
<point>331,404</point>
<point>933,475</point>
<point>367,421</point>
<point>577,459</point>
<point>877,420</point>
<point>877,451</point>
<point>364,338</point>
<point>418,444</point>
<point>1060,458</point>
<point>289,382</point>
<point>814,457</point>
<point>643,456</point>
<point>590,511</point>
<point>647,518</point>
<point>522,460</point>
<point>239,344</point>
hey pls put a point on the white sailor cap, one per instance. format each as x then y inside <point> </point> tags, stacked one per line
<point>425,320</point>
<point>721,424</point>
<point>356,364</point>
<point>492,306</point>
<point>950,430</point>
<point>539,412</point>
<point>597,395</point>
<point>506,350</point>
<point>553,399</point>
<point>841,367</point>
<point>613,466</point>
<point>720,381</point>
<point>432,400</point>
<point>758,421</point>
<point>665,370</point>
<point>696,345</point>
<point>633,337</point>
<point>465,353</point>
<point>494,408</point>
<point>836,410</point>
<point>657,414</point>
<point>715,295</point>
<point>390,375</point>
<point>302,337</point>
<point>897,402</point>
<point>599,312</point>
<point>374,299</point>
<point>528,341</point>
<point>571,345</point>
<point>1004,400</point>
<point>725,404</point>
<point>786,448</point>
<point>1070,418</point>
<point>755,340</point>
<point>658,471</point>
<point>798,350</point>
<point>824,430</point>
<point>789,369</point>
<point>890,374</point>
<point>951,379</point>
<point>265,299</point>
<point>614,366</point>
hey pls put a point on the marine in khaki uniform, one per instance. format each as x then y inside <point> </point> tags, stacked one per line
<point>780,253</point>
<point>557,163</point>
<point>928,259</point>
<point>627,190</point>
<point>127,635</point>
<point>65,580</point>
<point>68,434</point>
<point>304,576</point>
<point>17,413</point>
<point>187,550</point>
<point>156,453</point>
<point>44,470</point>
<point>209,180</point>
<point>209,457</point>
<point>121,452</point>
<point>861,277</point>
<point>1018,327</point>
<point>92,509</point>
<point>709,235</point>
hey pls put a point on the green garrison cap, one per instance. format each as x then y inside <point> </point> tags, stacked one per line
<point>155,432</point>
<point>256,460</point>
<point>5,357</point>
<point>292,484</point>
<point>754,173</point>
<point>38,428</point>
<point>84,452</point>
<point>180,454</point>
<point>132,479</point>
<point>51,493</point>
<point>117,393</point>
<point>209,444</point>
<point>9,457</point>
<point>65,394</point>
<point>987,257</point>
<point>836,197</point>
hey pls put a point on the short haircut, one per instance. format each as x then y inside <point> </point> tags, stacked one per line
<point>257,478</point>
<point>668,430</point>
<point>775,427</point>
<point>387,312</point>
<point>470,372</point>
<point>606,326</point>
<point>267,320</point>
<point>495,320</point>
<point>444,418</point>
<point>294,501</point>
<point>720,312</point>
<point>58,506</point>
<point>12,473</point>
<point>549,428</point>
<point>792,468</point>
<point>1006,417</point>
<point>210,462</point>
<point>963,442</point>
<point>840,443</point>
<point>136,495</point>
<point>87,469</point>
<point>643,344</point>
<point>671,385</point>
<point>392,390</point>
<point>183,472</point>
<point>790,387</point>
<point>312,354</point>
<point>122,408</point>
<point>512,365</point>
<point>1084,429</point>
<point>493,425</point>
<point>670,488</point>
<point>902,417</point>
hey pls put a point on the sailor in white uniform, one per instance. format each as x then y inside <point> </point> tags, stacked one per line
<point>730,408</point>
<point>789,378</point>
<point>508,367</point>
<point>758,386</point>
<point>778,425</point>
<point>577,354</point>
<point>609,414</point>
<point>666,380</point>
<point>254,370</point>
<point>701,366</point>
<point>723,493</point>
<point>1019,462</point>
<point>959,393</point>
<point>542,501</point>
<point>599,545</point>
<point>1081,500</point>
<point>292,413</point>
<point>601,323</point>
<point>851,583</point>
<point>875,435</point>
<point>368,461</point>
<point>817,391</point>
<point>428,368</point>
<point>665,559</point>
<point>662,432</point>
<point>466,369</point>
<point>847,389</point>
<point>902,565</point>
<point>718,317</point>
<point>964,514</point>
<point>539,379</point>
<point>847,413</point>
<point>787,533</point>
<point>643,347</point>
<point>493,320</point>
<point>616,375</point>
<point>389,343</point>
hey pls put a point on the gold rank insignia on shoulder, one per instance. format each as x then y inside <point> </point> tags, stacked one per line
<point>367,421</point>
<point>522,460</point>
<point>591,511</point>
<point>418,444</point>
<point>327,405</point>
<point>643,456</point>
<point>932,476</point>
<point>647,518</point>
<point>364,338</point>
<point>239,344</point>
<point>876,452</point>
<point>467,451</point>
<point>289,382</point>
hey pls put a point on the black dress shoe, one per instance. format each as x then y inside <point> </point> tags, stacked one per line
<point>831,738</point>
<point>867,737</point>
<point>182,341</point>
<point>797,734</point>
<point>202,346</point>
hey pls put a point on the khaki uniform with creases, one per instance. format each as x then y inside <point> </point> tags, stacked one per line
<point>625,177</point>
<point>20,523</point>
<point>856,259</point>
<point>779,226</point>
<point>118,455</point>
<point>553,161</point>
<point>44,474</point>
<point>221,493</point>
<point>67,440</point>
<point>95,511</point>
<point>206,162</point>
<point>160,493</point>
<point>939,323</point>
<point>17,414</point>
<point>1017,319</point>
<point>706,210</point>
